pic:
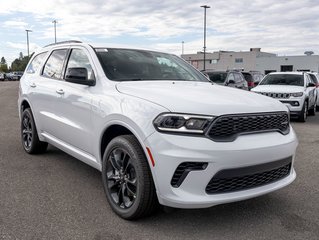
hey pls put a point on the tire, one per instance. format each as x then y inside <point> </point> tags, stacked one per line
<point>312,111</point>
<point>127,179</point>
<point>304,112</point>
<point>29,135</point>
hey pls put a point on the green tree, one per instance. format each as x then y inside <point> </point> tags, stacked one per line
<point>19,64</point>
<point>3,65</point>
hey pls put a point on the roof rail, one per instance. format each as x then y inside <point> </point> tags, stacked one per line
<point>63,42</point>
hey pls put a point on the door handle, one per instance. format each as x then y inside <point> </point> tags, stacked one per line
<point>33,85</point>
<point>60,91</point>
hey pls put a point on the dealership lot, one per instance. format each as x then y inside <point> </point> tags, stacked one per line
<point>55,196</point>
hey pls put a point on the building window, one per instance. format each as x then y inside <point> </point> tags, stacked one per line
<point>239,60</point>
<point>213,61</point>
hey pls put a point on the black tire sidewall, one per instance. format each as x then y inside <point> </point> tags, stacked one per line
<point>34,132</point>
<point>122,142</point>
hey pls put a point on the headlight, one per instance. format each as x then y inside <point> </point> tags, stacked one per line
<point>297,94</point>
<point>182,123</point>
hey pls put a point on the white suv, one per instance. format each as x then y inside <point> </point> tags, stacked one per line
<point>157,128</point>
<point>295,89</point>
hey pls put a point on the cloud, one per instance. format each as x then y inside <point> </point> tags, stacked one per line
<point>283,27</point>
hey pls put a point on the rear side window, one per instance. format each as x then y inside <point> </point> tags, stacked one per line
<point>54,65</point>
<point>238,78</point>
<point>36,63</point>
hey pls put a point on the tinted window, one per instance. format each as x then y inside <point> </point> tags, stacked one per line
<point>218,77</point>
<point>36,63</point>
<point>248,77</point>
<point>78,59</point>
<point>129,64</point>
<point>283,79</point>
<point>54,65</point>
<point>313,78</point>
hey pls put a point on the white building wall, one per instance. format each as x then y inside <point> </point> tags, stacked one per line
<point>297,62</point>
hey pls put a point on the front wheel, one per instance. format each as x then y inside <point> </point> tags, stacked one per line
<point>29,134</point>
<point>127,179</point>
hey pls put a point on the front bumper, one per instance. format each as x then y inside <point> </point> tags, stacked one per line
<point>247,150</point>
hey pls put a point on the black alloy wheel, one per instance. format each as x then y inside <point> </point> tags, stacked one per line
<point>127,179</point>
<point>29,135</point>
<point>121,177</point>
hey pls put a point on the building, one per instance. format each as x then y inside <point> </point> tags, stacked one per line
<point>253,60</point>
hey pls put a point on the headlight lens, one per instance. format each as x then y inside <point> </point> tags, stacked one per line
<point>297,94</point>
<point>182,123</point>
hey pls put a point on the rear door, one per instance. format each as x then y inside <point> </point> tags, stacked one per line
<point>42,88</point>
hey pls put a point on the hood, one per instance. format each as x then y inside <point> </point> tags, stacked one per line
<point>200,97</point>
<point>278,89</point>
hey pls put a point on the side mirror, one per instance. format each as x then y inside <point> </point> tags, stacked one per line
<point>311,84</point>
<point>231,81</point>
<point>79,76</point>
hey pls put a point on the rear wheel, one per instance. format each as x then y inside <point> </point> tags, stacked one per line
<point>29,134</point>
<point>304,112</point>
<point>127,179</point>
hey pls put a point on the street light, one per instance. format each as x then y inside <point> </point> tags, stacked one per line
<point>54,22</point>
<point>183,47</point>
<point>27,30</point>
<point>205,7</point>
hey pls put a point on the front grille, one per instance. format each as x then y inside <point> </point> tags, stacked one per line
<point>226,128</point>
<point>183,169</point>
<point>231,180</point>
<point>275,95</point>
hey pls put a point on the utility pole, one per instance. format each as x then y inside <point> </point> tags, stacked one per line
<point>27,30</point>
<point>54,22</point>
<point>205,7</point>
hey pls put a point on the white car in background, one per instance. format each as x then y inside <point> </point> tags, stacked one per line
<point>296,90</point>
<point>315,78</point>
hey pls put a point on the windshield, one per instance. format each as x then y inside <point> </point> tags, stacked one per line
<point>134,65</point>
<point>217,77</point>
<point>283,79</point>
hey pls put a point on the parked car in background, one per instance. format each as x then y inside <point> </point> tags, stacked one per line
<point>2,76</point>
<point>315,77</point>
<point>14,76</point>
<point>296,90</point>
<point>253,78</point>
<point>157,129</point>
<point>228,78</point>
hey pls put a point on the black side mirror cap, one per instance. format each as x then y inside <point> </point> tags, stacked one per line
<point>78,75</point>
<point>311,84</point>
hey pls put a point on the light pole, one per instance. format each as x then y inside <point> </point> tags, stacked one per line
<point>183,47</point>
<point>205,7</point>
<point>27,30</point>
<point>54,22</point>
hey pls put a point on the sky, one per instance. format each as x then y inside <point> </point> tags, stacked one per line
<point>284,27</point>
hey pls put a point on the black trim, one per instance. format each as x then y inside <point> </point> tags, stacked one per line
<point>233,137</point>
<point>243,171</point>
<point>183,169</point>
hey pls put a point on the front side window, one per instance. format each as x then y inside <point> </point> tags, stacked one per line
<point>78,59</point>
<point>54,65</point>
<point>36,63</point>
<point>133,65</point>
<point>283,79</point>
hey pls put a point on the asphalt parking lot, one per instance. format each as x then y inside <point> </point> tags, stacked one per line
<point>55,196</point>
